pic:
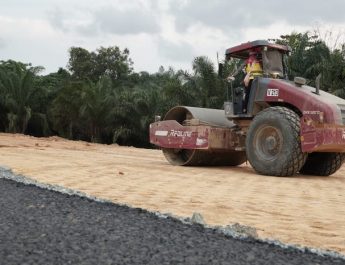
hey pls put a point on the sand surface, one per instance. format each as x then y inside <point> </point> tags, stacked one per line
<point>304,210</point>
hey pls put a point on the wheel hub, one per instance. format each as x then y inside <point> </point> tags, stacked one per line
<point>271,143</point>
<point>268,142</point>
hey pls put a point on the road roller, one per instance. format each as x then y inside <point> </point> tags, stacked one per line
<point>287,127</point>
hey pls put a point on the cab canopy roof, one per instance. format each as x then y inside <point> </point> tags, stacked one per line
<point>242,51</point>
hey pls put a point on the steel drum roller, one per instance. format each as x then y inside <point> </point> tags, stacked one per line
<point>195,157</point>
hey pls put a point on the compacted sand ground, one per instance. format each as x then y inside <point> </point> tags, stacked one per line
<point>304,210</point>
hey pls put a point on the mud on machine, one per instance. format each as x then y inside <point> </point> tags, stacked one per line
<point>289,127</point>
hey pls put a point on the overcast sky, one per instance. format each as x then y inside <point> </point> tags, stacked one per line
<point>157,32</point>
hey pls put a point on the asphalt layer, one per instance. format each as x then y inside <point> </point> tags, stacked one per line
<point>39,226</point>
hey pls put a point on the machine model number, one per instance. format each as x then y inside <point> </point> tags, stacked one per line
<point>311,112</point>
<point>177,133</point>
<point>272,92</point>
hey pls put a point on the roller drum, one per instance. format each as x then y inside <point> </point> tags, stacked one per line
<point>198,157</point>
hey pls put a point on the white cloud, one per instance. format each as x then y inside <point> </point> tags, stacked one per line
<point>231,15</point>
<point>2,43</point>
<point>33,41</point>
<point>107,19</point>
<point>156,32</point>
<point>272,31</point>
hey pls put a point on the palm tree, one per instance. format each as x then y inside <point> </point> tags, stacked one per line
<point>137,106</point>
<point>97,100</point>
<point>177,90</point>
<point>18,93</point>
<point>207,87</point>
<point>64,113</point>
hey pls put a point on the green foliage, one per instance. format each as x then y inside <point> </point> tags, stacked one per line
<point>81,63</point>
<point>311,57</point>
<point>111,62</point>
<point>64,113</point>
<point>97,101</point>
<point>18,95</point>
<point>101,99</point>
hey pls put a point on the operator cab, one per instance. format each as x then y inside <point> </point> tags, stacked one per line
<point>273,59</point>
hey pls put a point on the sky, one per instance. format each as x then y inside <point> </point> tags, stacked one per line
<point>156,32</point>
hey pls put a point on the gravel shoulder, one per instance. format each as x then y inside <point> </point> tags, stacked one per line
<point>40,226</point>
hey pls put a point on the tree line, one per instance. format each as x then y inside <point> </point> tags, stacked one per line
<point>100,98</point>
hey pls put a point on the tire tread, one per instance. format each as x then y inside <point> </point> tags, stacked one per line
<point>323,164</point>
<point>298,158</point>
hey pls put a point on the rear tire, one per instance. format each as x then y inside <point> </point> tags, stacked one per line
<point>273,143</point>
<point>322,164</point>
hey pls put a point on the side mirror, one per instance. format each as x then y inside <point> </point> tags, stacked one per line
<point>220,70</point>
